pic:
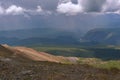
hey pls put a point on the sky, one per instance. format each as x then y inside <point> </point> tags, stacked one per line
<point>81,15</point>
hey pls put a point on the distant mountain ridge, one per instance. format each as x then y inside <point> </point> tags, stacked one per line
<point>52,36</point>
<point>107,36</point>
<point>35,32</point>
<point>38,36</point>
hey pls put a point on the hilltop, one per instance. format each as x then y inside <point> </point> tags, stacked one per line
<point>26,54</point>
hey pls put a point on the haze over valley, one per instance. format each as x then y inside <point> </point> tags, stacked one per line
<point>60,40</point>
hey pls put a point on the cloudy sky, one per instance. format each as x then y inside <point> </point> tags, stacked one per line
<point>64,14</point>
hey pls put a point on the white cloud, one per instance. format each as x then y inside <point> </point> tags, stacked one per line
<point>14,10</point>
<point>1,10</point>
<point>111,6</point>
<point>39,9</point>
<point>69,8</point>
<point>18,10</point>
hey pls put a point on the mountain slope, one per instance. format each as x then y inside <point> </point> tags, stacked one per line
<point>37,56</point>
<point>108,36</point>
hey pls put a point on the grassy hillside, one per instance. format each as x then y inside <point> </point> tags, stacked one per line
<point>100,63</point>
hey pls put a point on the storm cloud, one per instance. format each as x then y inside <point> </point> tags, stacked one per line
<point>92,5</point>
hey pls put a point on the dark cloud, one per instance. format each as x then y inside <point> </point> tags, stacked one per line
<point>49,4</point>
<point>92,5</point>
<point>75,1</point>
<point>45,4</point>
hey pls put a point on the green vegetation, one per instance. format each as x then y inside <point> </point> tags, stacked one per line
<point>102,52</point>
<point>108,65</point>
<point>65,51</point>
<point>98,63</point>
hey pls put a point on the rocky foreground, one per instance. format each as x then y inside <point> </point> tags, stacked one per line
<point>54,71</point>
<point>14,66</point>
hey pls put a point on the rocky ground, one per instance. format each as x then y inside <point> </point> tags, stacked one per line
<point>54,71</point>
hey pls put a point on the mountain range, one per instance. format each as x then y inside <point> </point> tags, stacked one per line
<point>53,36</point>
<point>38,36</point>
